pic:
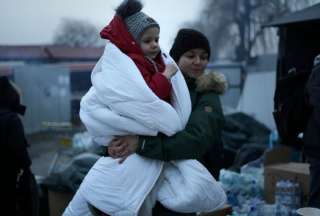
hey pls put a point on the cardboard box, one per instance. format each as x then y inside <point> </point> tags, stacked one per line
<point>276,155</point>
<point>58,201</point>
<point>287,171</point>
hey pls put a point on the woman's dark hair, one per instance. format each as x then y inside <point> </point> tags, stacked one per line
<point>9,97</point>
<point>128,8</point>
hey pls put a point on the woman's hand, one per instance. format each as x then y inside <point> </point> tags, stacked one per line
<point>123,146</point>
<point>170,71</point>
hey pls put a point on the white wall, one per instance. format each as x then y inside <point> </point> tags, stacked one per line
<point>257,97</point>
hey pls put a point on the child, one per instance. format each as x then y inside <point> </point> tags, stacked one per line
<point>137,35</point>
<point>131,88</point>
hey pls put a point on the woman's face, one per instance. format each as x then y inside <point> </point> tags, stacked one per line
<point>149,42</point>
<point>193,62</point>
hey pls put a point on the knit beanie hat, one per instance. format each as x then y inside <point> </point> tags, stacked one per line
<point>186,40</point>
<point>9,96</point>
<point>136,21</point>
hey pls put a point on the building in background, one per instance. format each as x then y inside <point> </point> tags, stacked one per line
<point>53,79</point>
<point>299,34</point>
<point>258,89</point>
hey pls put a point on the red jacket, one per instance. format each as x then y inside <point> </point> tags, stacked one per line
<point>118,34</point>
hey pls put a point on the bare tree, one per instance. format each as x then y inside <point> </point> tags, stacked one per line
<point>76,33</point>
<point>235,27</point>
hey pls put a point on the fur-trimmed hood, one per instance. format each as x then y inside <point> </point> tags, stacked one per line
<point>212,81</point>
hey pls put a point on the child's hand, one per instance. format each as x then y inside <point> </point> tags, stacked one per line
<point>170,71</point>
<point>123,146</point>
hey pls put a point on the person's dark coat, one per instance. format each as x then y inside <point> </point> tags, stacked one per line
<point>312,132</point>
<point>17,178</point>
<point>13,142</point>
<point>201,138</point>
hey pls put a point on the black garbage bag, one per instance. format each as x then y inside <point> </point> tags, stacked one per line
<point>247,153</point>
<point>69,177</point>
<point>241,129</point>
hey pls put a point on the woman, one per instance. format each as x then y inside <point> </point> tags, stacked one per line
<point>201,138</point>
<point>120,103</point>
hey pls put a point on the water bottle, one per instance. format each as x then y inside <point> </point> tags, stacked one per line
<point>297,195</point>
<point>273,138</point>
<point>280,192</point>
<point>282,210</point>
<point>283,198</point>
<point>287,197</point>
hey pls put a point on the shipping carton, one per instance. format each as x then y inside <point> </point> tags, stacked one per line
<point>58,201</point>
<point>276,155</point>
<point>287,171</point>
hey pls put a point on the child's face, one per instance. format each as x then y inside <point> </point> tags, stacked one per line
<point>149,42</point>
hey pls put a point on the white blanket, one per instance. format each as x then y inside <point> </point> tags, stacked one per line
<point>121,103</point>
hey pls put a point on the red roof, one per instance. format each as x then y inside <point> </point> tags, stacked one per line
<point>74,53</point>
<point>5,70</point>
<point>48,53</point>
<point>22,52</point>
<point>79,67</point>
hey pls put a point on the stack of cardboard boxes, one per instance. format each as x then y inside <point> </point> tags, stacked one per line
<point>278,167</point>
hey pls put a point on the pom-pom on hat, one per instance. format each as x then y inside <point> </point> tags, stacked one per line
<point>136,21</point>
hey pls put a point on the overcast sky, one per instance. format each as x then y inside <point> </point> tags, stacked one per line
<point>25,22</point>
